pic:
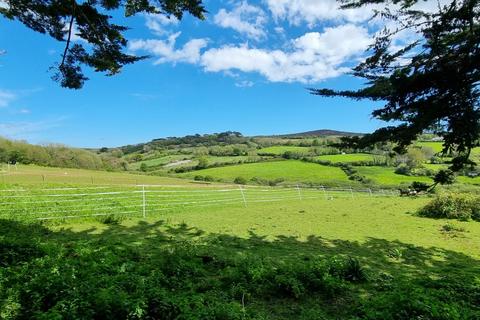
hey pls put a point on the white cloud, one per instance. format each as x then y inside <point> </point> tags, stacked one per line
<point>157,23</point>
<point>245,19</point>
<point>6,97</point>
<point>24,111</point>
<point>314,11</point>
<point>312,57</point>
<point>244,84</point>
<point>25,129</point>
<point>165,50</point>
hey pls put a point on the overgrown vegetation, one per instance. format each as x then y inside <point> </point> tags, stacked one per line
<point>179,272</point>
<point>453,206</point>
<point>59,156</point>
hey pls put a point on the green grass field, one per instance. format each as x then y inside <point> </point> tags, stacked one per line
<point>437,147</point>
<point>31,174</point>
<point>389,219</point>
<point>292,171</point>
<point>278,150</point>
<point>232,262</point>
<point>387,176</point>
<point>225,252</point>
<point>346,158</point>
<point>161,161</point>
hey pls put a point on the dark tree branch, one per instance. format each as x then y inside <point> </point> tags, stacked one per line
<point>70,28</point>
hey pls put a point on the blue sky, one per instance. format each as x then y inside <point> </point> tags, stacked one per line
<point>245,69</point>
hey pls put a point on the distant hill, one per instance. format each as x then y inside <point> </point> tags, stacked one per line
<point>321,133</point>
<point>223,138</point>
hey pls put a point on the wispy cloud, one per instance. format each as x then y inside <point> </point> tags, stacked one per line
<point>165,49</point>
<point>24,111</point>
<point>245,19</point>
<point>244,84</point>
<point>27,129</point>
<point>6,97</point>
<point>143,96</point>
<point>157,23</point>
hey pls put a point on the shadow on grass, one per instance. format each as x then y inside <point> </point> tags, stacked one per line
<point>189,270</point>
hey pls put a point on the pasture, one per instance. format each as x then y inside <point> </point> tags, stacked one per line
<point>279,150</point>
<point>32,174</point>
<point>159,161</point>
<point>235,262</point>
<point>347,158</point>
<point>291,171</point>
<point>386,176</point>
<point>437,147</point>
<point>182,249</point>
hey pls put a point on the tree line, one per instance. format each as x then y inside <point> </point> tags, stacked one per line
<point>56,155</point>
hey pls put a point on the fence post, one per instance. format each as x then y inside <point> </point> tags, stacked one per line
<point>351,192</point>
<point>144,202</point>
<point>370,191</point>
<point>324,193</point>
<point>243,196</point>
<point>299,192</point>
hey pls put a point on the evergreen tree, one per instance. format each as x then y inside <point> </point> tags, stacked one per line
<point>103,48</point>
<point>431,83</point>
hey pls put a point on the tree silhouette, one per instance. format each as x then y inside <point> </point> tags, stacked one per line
<point>104,41</point>
<point>431,83</point>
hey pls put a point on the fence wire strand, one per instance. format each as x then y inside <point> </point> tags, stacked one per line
<point>143,200</point>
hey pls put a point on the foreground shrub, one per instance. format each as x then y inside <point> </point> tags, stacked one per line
<point>453,206</point>
<point>427,299</point>
<point>240,180</point>
<point>96,279</point>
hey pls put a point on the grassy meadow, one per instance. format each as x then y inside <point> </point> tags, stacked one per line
<point>279,150</point>
<point>32,174</point>
<point>292,259</point>
<point>84,244</point>
<point>347,158</point>
<point>386,176</point>
<point>292,171</point>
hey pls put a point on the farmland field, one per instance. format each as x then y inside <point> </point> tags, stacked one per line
<point>224,251</point>
<point>206,255</point>
<point>437,147</point>
<point>31,174</point>
<point>160,161</point>
<point>278,150</point>
<point>345,158</point>
<point>387,176</point>
<point>293,171</point>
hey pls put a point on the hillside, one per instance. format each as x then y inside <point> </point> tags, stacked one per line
<point>322,133</point>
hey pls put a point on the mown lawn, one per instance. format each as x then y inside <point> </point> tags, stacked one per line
<point>293,171</point>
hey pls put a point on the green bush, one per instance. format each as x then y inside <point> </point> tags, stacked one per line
<point>209,178</point>
<point>111,219</point>
<point>95,280</point>
<point>240,180</point>
<point>442,299</point>
<point>419,186</point>
<point>452,206</point>
<point>403,169</point>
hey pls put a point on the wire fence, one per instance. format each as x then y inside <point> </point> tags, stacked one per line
<point>148,200</point>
